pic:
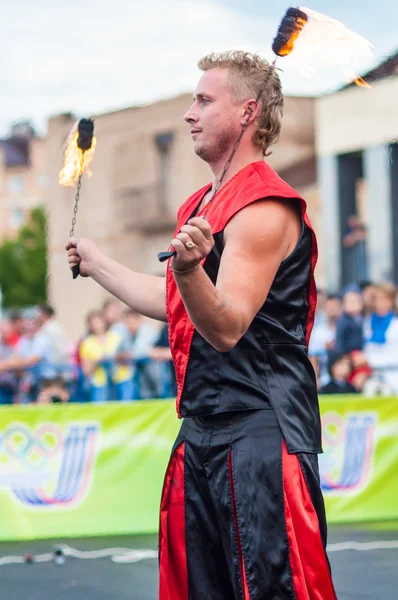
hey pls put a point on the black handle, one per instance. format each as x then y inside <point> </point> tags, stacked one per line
<point>75,271</point>
<point>162,256</point>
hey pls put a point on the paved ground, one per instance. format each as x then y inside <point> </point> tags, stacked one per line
<point>358,574</point>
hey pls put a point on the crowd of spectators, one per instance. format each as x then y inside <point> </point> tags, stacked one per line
<point>354,343</point>
<point>120,357</point>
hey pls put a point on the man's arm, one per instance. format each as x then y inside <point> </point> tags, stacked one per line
<point>144,293</point>
<point>257,239</point>
<point>16,363</point>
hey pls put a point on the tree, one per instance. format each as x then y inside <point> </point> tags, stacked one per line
<point>23,263</point>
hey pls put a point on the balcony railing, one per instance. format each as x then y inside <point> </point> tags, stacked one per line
<point>145,208</point>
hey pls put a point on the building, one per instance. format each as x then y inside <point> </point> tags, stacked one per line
<point>23,177</point>
<point>357,156</point>
<point>143,169</point>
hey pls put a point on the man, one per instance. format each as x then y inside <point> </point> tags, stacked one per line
<point>56,337</point>
<point>242,513</point>
<point>323,338</point>
<point>31,359</point>
<point>139,378</point>
<point>161,354</point>
<point>112,310</point>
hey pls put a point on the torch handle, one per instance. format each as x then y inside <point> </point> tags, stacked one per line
<point>162,256</point>
<point>75,271</point>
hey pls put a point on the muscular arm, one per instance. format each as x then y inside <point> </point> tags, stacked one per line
<point>257,240</point>
<point>144,293</point>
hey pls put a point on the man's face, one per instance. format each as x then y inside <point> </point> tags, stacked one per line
<point>353,303</point>
<point>213,117</point>
<point>31,327</point>
<point>133,322</point>
<point>333,308</point>
<point>113,313</point>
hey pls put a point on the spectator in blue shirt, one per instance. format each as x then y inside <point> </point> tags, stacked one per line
<point>349,329</point>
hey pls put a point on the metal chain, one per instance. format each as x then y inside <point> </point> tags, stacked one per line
<point>234,149</point>
<point>75,209</point>
<point>227,165</point>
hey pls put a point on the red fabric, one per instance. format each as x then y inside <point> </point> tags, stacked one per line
<point>12,339</point>
<point>253,182</point>
<point>246,595</point>
<point>173,572</point>
<point>310,569</point>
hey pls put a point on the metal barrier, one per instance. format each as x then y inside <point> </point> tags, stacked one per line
<point>149,379</point>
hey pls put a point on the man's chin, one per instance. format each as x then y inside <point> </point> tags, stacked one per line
<point>200,151</point>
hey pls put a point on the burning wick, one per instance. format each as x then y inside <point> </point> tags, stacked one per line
<point>79,153</point>
<point>288,32</point>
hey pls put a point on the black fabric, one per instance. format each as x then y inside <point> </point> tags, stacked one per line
<point>269,366</point>
<point>255,441</point>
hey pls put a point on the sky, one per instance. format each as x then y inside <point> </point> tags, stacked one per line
<point>91,56</point>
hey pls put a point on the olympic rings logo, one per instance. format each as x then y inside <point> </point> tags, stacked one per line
<point>32,449</point>
<point>349,446</point>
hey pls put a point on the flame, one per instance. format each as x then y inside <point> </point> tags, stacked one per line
<point>362,83</point>
<point>289,46</point>
<point>359,81</point>
<point>76,162</point>
<point>334,36</point>
<point>325,43</point>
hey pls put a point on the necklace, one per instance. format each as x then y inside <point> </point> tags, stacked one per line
<point>162,256</point>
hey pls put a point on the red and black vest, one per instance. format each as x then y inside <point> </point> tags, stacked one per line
<point>269,366</point>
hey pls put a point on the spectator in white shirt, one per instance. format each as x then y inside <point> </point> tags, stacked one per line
<point>323,338</point>
<point>56,337</point>
<point>381,336</point>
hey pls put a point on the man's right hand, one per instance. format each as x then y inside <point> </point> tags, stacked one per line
<point>83,252</point>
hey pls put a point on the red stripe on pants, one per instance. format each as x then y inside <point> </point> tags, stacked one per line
<point>311,575</point>
<point>172,549</point>
<point>246,595</point>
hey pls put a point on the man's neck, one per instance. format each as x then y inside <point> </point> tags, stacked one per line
<point>241,159</point>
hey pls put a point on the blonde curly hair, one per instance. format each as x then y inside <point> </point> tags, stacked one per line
<point>251,76</point>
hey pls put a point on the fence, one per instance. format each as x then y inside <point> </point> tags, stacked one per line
<point>148,379</point>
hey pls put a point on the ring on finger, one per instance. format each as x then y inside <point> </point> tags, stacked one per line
<point>189,245</point>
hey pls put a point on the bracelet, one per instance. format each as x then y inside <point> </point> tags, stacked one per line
<point>185,271</point>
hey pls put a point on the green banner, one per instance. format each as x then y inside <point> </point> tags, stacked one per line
<point>85,470</point>
<point>359,466</point>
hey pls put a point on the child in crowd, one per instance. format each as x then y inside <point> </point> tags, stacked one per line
<point>340,371</point>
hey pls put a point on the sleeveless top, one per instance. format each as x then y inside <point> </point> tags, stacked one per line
<point>269,366</point>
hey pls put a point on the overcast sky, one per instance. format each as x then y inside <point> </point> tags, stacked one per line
<point>90,56</point>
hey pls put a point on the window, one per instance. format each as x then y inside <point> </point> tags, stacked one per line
<point>16,218</point>
<point>163,144</point>
<point>15,184</point>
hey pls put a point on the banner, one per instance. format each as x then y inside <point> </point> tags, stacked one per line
<point>358,468</point>
<point>89,470</point>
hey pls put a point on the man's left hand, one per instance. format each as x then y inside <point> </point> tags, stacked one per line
<point>194,242</point>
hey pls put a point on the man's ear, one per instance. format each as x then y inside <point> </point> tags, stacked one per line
<point>250,112</point>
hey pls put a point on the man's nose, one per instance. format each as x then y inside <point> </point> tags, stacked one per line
<point>191,116</point>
